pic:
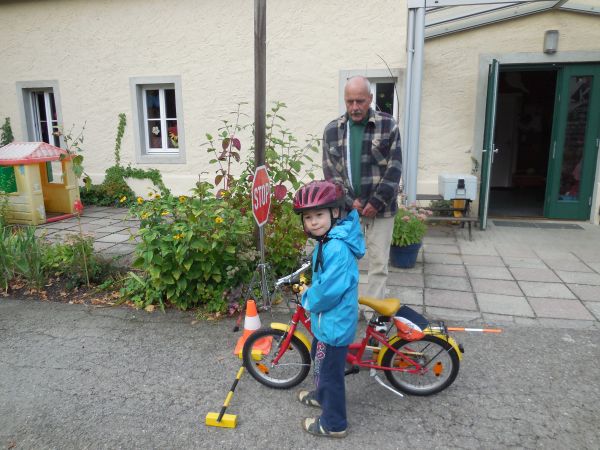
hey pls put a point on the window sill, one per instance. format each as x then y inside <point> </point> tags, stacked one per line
<point>161,158</point>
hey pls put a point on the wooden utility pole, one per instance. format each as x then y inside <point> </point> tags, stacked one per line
<point>260,79</point>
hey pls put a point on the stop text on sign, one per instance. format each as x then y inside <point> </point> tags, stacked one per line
<point>261,195</point>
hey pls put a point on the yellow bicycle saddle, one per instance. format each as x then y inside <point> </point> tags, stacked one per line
<point>384,306</point>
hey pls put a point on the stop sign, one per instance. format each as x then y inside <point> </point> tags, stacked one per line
<point>261,195</point>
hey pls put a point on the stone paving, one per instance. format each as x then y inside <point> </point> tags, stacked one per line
<point>113,230</point>
<point>548,277</point>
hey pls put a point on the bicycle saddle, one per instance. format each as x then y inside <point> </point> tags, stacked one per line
<point>384,306</point>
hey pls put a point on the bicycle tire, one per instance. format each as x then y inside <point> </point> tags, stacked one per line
<point>441,359</point>
<point>292,368</point>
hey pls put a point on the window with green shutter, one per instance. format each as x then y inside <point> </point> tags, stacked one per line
<point>8,181</point>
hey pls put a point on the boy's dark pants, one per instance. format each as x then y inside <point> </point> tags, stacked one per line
<point>329,368</point>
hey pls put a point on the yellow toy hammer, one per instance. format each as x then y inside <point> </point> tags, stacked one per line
<point>221,419</point>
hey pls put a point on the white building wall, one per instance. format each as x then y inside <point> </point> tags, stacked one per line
<point>450,133</point>
<point>93,48</point>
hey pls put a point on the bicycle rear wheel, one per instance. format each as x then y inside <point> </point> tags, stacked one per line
<point>291,369</point>
<point>435,354</point>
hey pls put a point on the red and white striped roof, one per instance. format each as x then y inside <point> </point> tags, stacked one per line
<point>29,153</point>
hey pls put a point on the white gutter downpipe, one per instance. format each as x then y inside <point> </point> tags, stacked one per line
<point>410,39</point>
<point>415,104</point>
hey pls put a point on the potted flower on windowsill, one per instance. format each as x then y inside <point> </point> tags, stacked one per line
<point>407,237</point>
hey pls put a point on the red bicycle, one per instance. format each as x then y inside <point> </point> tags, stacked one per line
<point>417,360</point>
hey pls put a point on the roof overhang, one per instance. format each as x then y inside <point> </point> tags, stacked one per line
<point>445,17</point>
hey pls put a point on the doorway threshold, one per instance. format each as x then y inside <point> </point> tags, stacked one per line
<point>546,225</point>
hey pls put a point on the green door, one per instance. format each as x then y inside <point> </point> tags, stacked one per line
<point>574,144</point>
<point>487,154</point>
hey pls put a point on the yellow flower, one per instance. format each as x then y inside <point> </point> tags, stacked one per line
<point>178,236</point>
<point>182,198</point>
<point>145,215</point>
<point>156,196</point>
<point>219,219</point>
<point>164,213</point>
<point>122,199</point>
<point>140,200</point>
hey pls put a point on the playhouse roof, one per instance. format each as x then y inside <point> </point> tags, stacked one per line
<point>30,153</point>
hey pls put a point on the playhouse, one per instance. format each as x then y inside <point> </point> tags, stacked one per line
<point>39,181</point>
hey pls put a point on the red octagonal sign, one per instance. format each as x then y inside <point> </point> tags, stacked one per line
<point>261,195</point>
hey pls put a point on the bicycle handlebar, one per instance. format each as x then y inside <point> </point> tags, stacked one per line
<point>288,278</point>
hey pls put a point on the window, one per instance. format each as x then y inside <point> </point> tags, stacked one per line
<point>384,97</point>
<point>43,116</point>
<point>158,119</point>
<point>40,111</point>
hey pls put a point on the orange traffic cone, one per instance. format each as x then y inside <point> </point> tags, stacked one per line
<point>251,324</point>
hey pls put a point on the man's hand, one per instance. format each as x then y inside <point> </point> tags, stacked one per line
<point>369,211</point>
<point>357,205</point>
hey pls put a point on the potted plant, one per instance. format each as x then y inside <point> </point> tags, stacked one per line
<point>409,229</point>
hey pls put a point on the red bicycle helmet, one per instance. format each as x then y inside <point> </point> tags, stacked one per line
<point>318,195</point>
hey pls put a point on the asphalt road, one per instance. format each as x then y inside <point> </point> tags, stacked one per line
<point>77,377</point>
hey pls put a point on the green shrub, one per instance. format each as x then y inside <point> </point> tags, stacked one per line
<point>28,254</point>
<point>3,209</point>
<point>6,134</point>
<point>114,188</point>
<point>201,250</point>
<point>27,257</point>
<point>192,251</point>
<point>66,261</point>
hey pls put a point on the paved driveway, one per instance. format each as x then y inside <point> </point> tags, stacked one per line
<point>79,377</point>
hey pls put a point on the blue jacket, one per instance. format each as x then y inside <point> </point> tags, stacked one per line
<point>332,298</point>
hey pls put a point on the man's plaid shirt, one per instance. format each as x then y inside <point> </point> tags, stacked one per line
<point>381,161</point>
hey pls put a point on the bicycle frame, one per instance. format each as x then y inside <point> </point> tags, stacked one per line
<point>355,350</point>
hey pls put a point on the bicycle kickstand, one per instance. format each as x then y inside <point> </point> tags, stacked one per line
<point>373,373</point>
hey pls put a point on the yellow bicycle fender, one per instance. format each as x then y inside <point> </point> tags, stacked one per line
<point>299,334</point>
<point>448,339</point>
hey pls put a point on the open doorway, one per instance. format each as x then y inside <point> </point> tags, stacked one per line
<point>524,118</point>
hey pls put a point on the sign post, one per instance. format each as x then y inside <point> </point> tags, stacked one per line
<point>261,205</point>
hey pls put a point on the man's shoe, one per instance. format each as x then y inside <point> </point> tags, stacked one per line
<point>313,425</point>
<point>308,398</point>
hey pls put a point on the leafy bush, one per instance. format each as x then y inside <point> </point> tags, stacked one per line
<point>66,261</point>
<point>6,134</point>
<point>3,209</point>
<point>27,257</point>
<point>28,254</point>
<point>288,164</point>
<point>192,251</point>
<point>201,250</point>
<point>114,187</point>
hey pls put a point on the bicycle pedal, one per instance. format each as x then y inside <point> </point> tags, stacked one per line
<point>352,370</point>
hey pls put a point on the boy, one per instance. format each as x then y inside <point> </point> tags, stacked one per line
<point>332,300</point>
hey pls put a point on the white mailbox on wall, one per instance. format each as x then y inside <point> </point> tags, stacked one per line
<point>461,186</point>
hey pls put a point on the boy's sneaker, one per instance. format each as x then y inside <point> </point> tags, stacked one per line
<point>313,425</point>
<point>308,398</point>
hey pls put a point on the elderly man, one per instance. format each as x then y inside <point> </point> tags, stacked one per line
<point>361,151</point>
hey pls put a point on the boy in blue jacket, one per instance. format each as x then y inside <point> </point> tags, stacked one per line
<point>332,300</point>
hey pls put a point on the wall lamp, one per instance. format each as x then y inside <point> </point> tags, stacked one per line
<point>550,41</point>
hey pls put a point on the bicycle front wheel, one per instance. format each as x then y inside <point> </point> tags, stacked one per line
<point>291,369</point>
<point>436,356</point>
